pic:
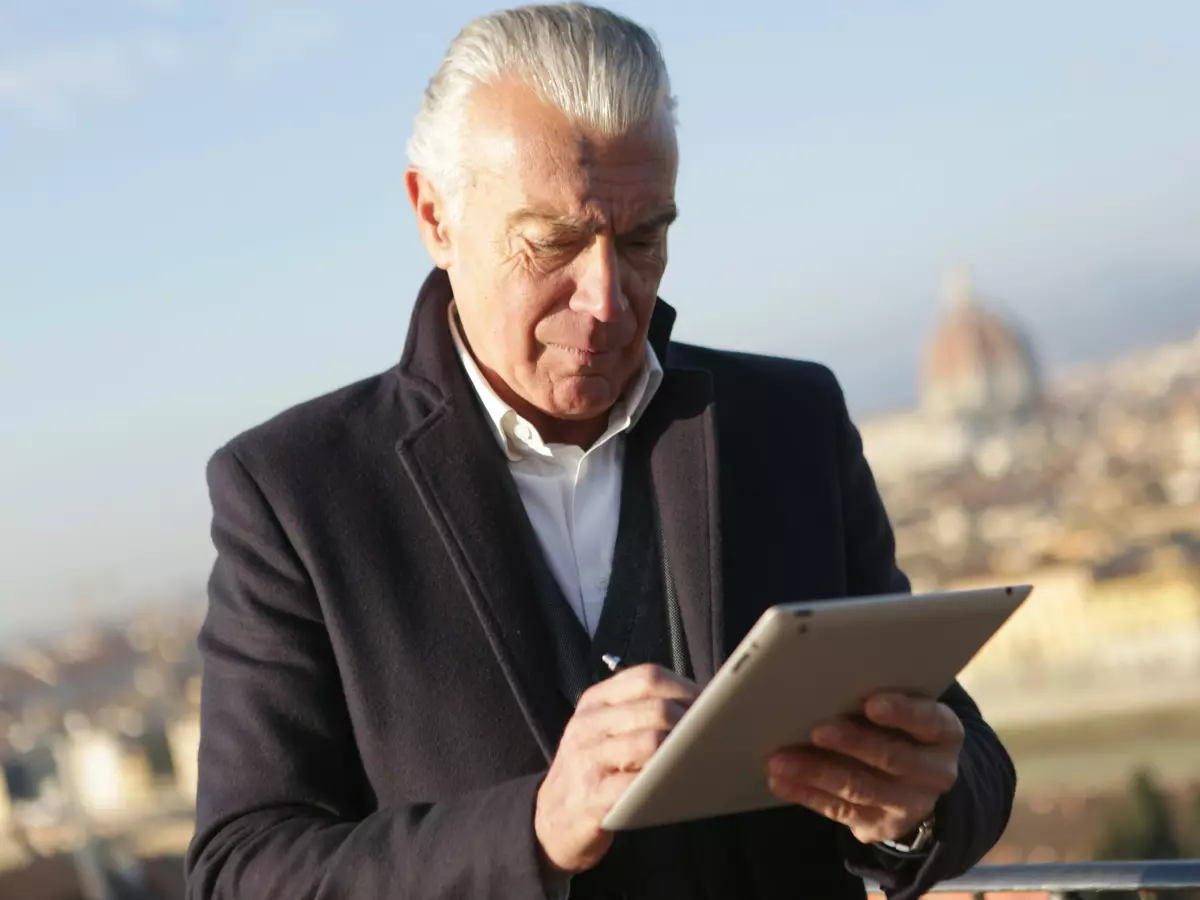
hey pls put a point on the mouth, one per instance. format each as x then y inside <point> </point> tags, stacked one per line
<point>586,357</point>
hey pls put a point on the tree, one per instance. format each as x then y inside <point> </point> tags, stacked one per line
<point>1142,828</point>
<point>1192,825</point>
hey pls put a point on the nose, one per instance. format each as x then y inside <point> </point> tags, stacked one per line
<point>598,288</point>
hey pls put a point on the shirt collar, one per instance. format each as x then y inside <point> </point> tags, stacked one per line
<point>518,438</point>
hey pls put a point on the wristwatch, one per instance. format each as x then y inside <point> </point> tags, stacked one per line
<point>914,842</point>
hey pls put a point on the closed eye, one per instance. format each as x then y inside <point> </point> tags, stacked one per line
<point>642,242</point>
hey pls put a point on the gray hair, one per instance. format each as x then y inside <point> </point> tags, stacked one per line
<point>603,71</point>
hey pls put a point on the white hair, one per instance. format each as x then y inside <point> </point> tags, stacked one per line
<point>603,71</point>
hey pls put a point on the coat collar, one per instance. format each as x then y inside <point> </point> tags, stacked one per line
<point>462,478</point>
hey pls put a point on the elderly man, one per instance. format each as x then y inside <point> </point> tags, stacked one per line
<point>417,575</point>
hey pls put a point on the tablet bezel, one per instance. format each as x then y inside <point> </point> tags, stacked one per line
<point>938,633</point>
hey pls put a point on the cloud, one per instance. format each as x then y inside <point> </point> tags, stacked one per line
<point>50,87</point>
<point>51,83</point>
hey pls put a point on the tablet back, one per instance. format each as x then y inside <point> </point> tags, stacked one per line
<point>803,664</point>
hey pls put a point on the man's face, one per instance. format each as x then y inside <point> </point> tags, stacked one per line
<point>557,255</point>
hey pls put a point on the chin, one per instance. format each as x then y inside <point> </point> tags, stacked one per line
<point>581,400</point>
<point>577,412</point>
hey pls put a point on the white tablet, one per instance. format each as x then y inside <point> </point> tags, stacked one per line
<point>801,665</point>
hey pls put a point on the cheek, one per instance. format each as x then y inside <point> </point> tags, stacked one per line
<point>530,312</point>
<point>640,284</point>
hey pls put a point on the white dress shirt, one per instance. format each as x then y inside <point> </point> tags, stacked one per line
<point>572,496</point>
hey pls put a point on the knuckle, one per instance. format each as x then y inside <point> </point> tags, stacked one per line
<point>856,792</point>
<point>841,811</point>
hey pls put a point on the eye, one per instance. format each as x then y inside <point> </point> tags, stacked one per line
<point>641,243</point>
<point>550,246</point>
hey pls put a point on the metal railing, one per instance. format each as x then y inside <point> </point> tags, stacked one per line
<point>1066,881</point>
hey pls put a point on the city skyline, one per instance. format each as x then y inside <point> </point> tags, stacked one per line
<point>205,222</point>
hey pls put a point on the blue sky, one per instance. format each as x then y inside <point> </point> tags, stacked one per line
<point>202,220</point>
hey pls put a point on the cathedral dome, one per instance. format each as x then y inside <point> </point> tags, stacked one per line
<point>977,364</point>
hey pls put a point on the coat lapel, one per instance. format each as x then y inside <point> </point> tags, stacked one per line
<point>680,431</point>
<point>460,474</point>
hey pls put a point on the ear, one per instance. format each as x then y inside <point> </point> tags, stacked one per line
<point>431,211</point>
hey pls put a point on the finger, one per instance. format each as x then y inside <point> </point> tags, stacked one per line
<point>653,713</point>
<point>848,780</point>
<point>926,720</point>
<point>838,809</point>
<point>609,791</point>
<point>639,683</point>
<point>628,752</point>
<point>933,767</point>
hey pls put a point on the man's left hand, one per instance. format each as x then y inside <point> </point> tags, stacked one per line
<point>880,778</point>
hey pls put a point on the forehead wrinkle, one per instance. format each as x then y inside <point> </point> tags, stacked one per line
<point>592,223</point>
<point>557,174</point>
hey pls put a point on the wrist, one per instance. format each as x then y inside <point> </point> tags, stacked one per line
<point>916,841</point>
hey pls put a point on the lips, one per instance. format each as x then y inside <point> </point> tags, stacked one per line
<point>585,355</point>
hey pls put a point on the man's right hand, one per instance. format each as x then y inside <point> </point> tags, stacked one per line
<point>617,726</point>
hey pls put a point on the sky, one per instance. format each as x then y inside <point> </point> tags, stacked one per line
<point>203,221</point>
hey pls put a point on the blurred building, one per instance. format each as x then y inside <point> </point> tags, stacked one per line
<point>184,737</point>
<point>980,391</point>
<point>1138,609</point>
<point>110,778</point>
<point>978,368</point>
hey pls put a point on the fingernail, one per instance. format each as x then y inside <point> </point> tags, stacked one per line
<point>882,707</point>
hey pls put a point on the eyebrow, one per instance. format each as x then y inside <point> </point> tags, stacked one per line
<point>579,223</point>
<point>659,220</point>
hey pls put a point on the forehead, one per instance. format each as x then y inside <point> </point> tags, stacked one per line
<point>526,155</point>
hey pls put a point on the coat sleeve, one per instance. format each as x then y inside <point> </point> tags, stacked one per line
<point>283,810</point>
<point>973,815</point>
